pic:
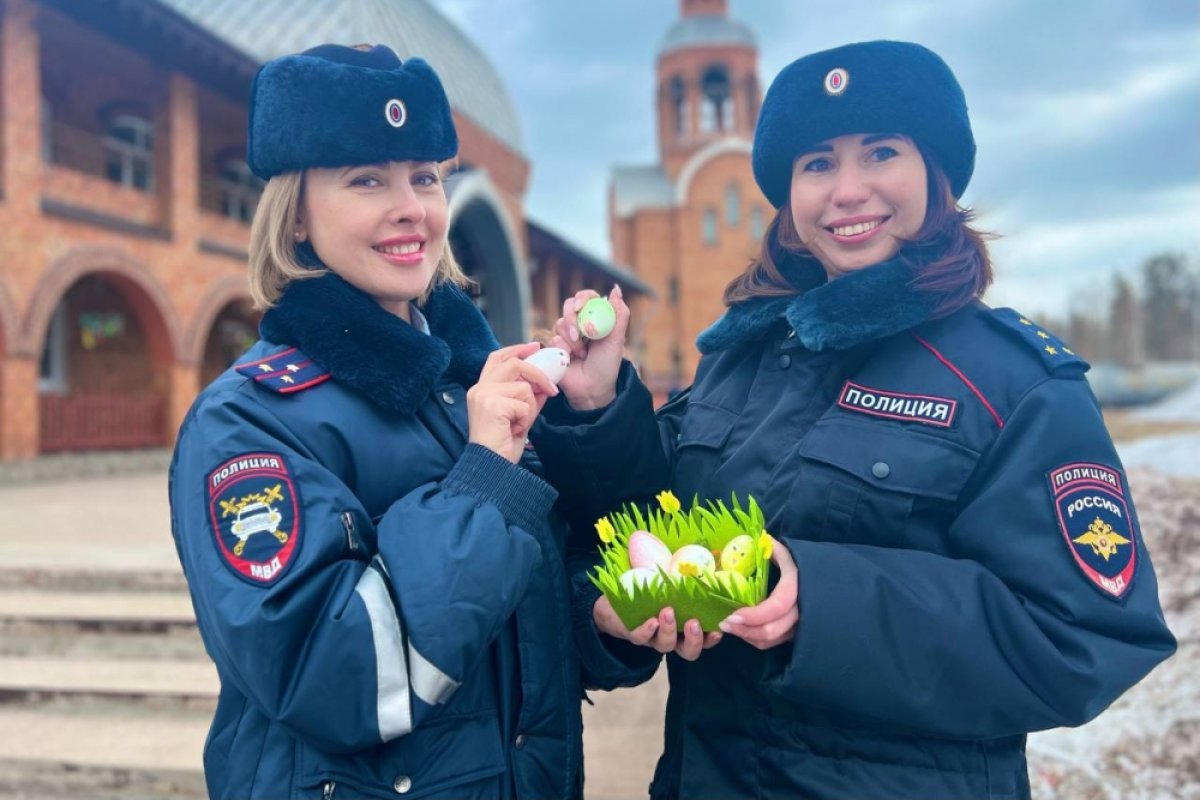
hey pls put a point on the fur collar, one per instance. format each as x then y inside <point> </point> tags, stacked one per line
<point>375,352</point>
<point>829,315</point>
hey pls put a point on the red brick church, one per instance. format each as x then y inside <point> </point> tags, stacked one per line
<point>689,223</point>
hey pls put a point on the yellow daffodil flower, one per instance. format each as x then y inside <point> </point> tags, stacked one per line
<point>669,502</point>
<point>605,530</point>
<point>766,545</point>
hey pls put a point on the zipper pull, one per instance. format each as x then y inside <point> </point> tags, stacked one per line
<point>327,790</point>
<point>348,525</point>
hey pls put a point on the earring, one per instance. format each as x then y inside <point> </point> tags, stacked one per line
<point>297,235</point>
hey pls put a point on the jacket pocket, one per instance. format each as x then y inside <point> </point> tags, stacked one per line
<point>862,482</point>
<point>698,450</point>
<point>459,757</point>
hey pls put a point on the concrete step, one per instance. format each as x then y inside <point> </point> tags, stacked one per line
<point>97,578</point>
<point>58,754</point>
<point>28,682</point>
<point>146,625</point>
<point>98,609</point>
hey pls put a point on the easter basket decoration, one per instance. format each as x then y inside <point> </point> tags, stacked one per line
<point>704,563</point>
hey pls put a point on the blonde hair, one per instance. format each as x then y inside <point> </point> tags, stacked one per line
<point>273,262</point>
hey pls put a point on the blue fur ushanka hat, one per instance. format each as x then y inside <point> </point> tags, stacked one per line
<point>869,87</point>
<point>335,106</point>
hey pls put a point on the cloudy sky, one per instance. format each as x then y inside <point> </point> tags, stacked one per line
<point>1086,114</point>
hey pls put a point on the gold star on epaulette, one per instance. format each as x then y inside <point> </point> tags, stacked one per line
<point>287,379</point>
<point>292,368</point>
<point>266,367</point>
<point>1050,350</point>
<point>1025,321</point>
<point>1043,335</point>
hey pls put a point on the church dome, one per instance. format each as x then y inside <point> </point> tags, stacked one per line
<point>266,29</point>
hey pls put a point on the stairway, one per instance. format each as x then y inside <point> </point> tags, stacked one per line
<point>105,689</point>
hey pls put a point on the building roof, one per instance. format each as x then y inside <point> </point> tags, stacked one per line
<point>266,29</point>
<point>706,30</point>
<point>635,188</point>
<point>544,242</point>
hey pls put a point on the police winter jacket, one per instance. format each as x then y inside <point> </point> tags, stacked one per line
<point>970,562</point>
<point>387,606</point>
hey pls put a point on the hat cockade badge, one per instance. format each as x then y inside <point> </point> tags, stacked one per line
<point>396,113</point>
<point>836,81</point>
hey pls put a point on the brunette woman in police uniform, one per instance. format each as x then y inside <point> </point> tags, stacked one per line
<point>370,549</point>
<point>961,562</point>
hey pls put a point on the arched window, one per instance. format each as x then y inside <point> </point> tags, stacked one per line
<point>240,190</point>
<point>129,152</point>
<point>756,222</point>
<point>733,205</point>
<point>678,98</point>
<point>715,103</point>
<point>709,226</point>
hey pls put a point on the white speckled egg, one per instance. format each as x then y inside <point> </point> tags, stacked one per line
<point>692,559</point>
<point>639,576</point>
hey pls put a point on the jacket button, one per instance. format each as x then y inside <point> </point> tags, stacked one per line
<point>785,361</point>
<point>519,743</point>
<point>402,784</point>
<point>880,469</point>
<point>447,398</point>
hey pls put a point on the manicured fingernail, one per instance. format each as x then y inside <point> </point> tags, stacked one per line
<point>723,625</point>
<point>734,619</point>
<point>654,626</point>
<point>574,334</point>
<point>669,617</point>
<point>693,627</point>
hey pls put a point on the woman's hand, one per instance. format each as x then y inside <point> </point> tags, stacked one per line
<point>591,380</point>
<point>773,621</point>
<point>503,405</point>
<point>658,632</point>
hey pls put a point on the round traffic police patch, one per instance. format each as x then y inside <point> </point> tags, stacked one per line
<point>396,113</point>
<point>1089,500</point>
<point>255,516</point>
<point>836,81</point>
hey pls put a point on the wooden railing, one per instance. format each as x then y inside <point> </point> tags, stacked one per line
<point>101,421</point>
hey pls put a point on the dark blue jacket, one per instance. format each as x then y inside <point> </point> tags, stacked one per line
<point>970,563</point>
<point>387,606</point>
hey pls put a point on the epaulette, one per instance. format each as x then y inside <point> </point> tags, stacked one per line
<point>285,372</point>
<point>1053,352</point>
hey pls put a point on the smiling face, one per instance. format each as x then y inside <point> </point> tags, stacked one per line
<point>381,227</point>
<point>857,198</point>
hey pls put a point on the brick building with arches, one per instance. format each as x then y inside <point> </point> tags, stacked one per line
<point>690,223</point>
<point>125,202</point>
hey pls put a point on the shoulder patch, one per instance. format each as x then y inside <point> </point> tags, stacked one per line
<point>1054,353</point>
<point>286,372</point>
<point>255,516</point>
<point>1093,516</point>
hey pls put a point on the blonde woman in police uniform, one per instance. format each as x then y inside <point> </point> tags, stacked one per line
<point>371,550</point>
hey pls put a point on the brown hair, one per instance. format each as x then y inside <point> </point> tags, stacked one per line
<point>948,256</point>
<point>273,262</point>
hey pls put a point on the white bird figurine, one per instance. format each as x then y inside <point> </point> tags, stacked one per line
<point>551,360</point>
